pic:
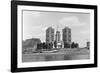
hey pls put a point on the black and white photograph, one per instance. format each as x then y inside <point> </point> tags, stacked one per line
<point>53,36</point>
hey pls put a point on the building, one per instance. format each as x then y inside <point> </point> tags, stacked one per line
<point>88,45</point>
<point>66,35</point>
<point>57,39</point>
<point>30,45</point>
<point>50,35</point>
<point>57,36</point>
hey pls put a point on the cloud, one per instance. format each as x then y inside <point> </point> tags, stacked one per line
<point>71,21</point>
<point>85,32</point>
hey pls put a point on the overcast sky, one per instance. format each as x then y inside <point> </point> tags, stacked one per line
<point>35,24</point>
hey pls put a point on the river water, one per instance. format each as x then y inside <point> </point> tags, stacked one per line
<point>53,57</point>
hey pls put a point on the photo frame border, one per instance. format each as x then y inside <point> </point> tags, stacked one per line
<point>14,5</point>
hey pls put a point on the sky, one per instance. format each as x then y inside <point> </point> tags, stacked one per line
<point>35,24</point>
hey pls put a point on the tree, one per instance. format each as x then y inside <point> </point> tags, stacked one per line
<point>51,45</point>
<point>66,45</point>
<point>55,44</point>
<point>73,45</point>
<point>44,45</point>
<point>76,45</point>
<point>39,46</point>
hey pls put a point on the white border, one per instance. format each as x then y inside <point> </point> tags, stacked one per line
<point>53,63</point>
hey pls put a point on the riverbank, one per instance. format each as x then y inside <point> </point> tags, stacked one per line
<point>63,54</point>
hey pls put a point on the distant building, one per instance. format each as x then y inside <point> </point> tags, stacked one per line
<point>57,39</point>
<point>88,45</point>
<point>57,36</point>
<point>50,35</point>
<point>30,45</point>
<point>66,35</point>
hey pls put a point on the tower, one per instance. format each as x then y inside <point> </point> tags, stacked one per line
<point>57,36</point>
<point>66,35</point>
<point>57,39</point>
<point>50,35</point>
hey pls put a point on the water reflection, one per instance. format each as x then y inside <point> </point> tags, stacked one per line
<point>53,57</point>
